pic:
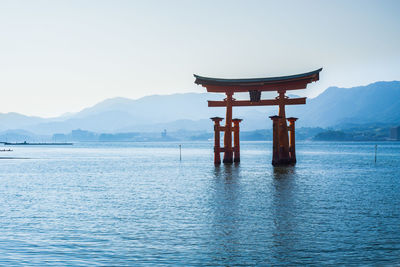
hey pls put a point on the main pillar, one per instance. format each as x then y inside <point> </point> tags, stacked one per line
<point>292,140</point>
<point>228,155</point>
<point>275,140</point>
<point>236,139</point>
<point>283,130</point>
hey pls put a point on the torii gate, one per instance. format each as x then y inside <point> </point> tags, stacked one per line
<point>284,151</point>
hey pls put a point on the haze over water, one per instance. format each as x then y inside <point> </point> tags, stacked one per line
<point>137,204</point>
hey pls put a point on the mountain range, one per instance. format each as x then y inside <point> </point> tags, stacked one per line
<point>374,103</point>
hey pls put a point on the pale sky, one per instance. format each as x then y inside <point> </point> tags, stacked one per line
<point>62,56</point>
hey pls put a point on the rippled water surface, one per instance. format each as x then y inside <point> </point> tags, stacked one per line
<point>137,204</point>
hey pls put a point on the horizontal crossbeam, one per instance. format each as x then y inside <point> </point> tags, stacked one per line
<point>267,102</point>
<point>222,128</point>
<point>222,149</point>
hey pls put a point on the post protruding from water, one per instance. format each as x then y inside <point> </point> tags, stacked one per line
<point>236,139</point>
<point>217,144</point>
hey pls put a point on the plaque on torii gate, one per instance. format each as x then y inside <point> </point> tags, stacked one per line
<point>284,151</point>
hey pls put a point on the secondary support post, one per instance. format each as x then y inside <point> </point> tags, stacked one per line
<point>275,140</point>
<point>217,145</point>
<point>228,155</point>
<point>292,140</point>
<point>236,139</point>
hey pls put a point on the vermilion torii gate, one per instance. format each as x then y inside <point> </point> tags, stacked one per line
<point>284,151</point>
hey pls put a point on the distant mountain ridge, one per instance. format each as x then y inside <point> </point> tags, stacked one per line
<point>375,103</point>
<point>378,102</point>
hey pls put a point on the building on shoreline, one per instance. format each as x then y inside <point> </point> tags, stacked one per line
<point>395,133</point>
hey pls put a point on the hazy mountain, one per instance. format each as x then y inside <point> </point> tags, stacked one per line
<point>375,103</point>
<point>14,120</point>
<point>156,108</point>
<point>152,113</point>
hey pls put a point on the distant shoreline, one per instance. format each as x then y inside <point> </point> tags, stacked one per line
<point>13,158</point>
<point>36,144</point>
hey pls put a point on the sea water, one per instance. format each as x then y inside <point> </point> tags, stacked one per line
<point>138,204</point>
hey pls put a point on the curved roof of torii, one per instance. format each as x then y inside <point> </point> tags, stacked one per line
<point>291,82</point>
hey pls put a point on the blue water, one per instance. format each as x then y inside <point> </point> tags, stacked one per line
<point>137,204</point>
